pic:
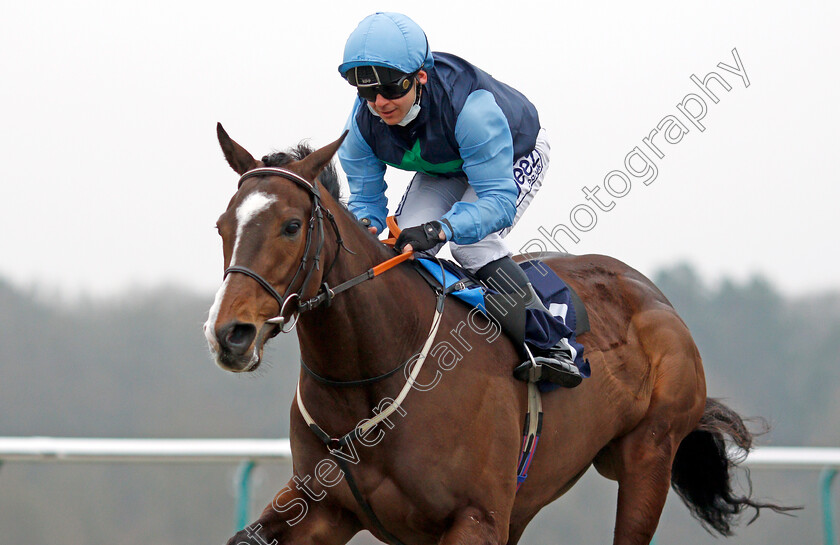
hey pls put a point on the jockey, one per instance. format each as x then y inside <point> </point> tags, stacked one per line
<point>479,155</point>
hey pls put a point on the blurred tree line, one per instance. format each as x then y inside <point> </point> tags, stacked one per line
<point>138,366</point>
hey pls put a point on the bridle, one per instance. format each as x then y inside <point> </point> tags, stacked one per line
<point>316,222</point>
<point>325,294</point>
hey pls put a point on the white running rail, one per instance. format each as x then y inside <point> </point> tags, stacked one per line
<point>72,449</point>
<point>248,452</point>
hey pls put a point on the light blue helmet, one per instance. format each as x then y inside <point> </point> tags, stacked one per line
<point>387,39</point>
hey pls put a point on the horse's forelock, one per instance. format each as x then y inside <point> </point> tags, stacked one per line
<point>328,176</point>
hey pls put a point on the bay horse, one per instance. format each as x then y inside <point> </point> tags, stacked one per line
<point>431,457</point>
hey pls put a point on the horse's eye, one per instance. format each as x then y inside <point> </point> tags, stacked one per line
<point>292,227</point>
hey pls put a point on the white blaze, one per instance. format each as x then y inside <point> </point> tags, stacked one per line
<point>209,330</point>
<point>247,211</point>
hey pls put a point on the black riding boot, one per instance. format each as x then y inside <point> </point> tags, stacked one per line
<point>516,294</point>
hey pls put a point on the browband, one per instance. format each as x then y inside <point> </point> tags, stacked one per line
<point>283,173</point>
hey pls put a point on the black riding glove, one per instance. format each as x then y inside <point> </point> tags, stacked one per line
<point>421,237</point>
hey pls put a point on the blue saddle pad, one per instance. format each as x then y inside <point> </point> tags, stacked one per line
<point>541,330</point>
<point>448,274</point>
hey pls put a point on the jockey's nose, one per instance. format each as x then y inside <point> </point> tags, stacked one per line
<point>236,337</point>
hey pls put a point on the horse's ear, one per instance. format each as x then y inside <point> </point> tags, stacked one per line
<point>310,166</point>
<point>237,157</point>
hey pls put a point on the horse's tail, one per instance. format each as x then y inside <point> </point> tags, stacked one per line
<point>701,473</point>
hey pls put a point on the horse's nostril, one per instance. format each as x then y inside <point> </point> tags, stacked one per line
<point>237,337</point>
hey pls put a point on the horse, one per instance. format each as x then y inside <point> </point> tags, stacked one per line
<point>429,455</point>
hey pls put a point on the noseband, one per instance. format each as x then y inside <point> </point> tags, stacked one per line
<point>316,220</point>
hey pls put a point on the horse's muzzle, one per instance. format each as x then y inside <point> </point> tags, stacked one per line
<point>236,337</point>
<point>236,351</point>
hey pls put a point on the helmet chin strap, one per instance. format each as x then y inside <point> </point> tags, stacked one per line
<point>412,113</point>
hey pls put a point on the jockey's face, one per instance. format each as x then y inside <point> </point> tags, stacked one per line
<point>393,111</point>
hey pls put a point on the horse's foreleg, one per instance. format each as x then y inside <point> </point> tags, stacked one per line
<point>473,526</point>
<point>293,517</point>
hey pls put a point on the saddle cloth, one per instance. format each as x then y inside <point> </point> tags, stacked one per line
<point>568,317</point>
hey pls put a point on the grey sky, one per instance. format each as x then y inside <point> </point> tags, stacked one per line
<point>112,177</point>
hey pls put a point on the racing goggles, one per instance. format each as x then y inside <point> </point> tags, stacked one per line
<point>368,81</point>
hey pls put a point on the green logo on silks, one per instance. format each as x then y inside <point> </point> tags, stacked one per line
<point>412,161</point>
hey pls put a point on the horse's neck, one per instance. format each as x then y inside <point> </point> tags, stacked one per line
<point>372,327</point>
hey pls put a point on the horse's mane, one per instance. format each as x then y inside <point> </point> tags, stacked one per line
<point>328,177</point>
